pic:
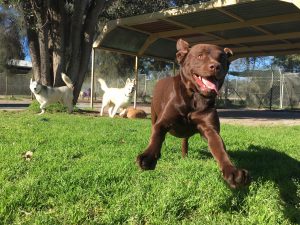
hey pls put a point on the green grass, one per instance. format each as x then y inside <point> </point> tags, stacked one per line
<point>83,171</point>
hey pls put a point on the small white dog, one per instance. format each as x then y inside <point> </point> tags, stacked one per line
<point>116,98</point>
<point>46,95</point>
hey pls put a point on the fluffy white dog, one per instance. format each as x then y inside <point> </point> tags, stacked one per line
<point>116,98</point>
<point>46,95</point>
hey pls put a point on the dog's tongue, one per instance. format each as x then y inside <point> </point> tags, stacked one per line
<point>204,83</point>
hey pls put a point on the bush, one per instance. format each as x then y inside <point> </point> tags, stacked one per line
<point>53,108</point>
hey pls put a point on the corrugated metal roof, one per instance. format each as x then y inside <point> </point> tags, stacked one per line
<point>157,26</point>
<point>280,28</point>
<point>241,32</point>
<point>249,27</point>
<point>203,18</point>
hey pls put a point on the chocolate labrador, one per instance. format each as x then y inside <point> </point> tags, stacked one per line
<point>184,105</point>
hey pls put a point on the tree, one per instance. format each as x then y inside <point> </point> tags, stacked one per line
<point>10,38</point>
<point>60,35</point>
<point>61,32</point>
<point>289,63</point>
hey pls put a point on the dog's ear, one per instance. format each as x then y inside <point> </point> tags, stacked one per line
<point>128,80</point>
<point>228,52</point>
<point>30,80</point>
<point>182,50</point>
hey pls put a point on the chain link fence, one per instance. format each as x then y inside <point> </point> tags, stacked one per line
<point>15,85</point>
<point>269,89</point>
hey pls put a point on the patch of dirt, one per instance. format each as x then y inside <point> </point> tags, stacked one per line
<point>248,117</point>
<point>252,117</point>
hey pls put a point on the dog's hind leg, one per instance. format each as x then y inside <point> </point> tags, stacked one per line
<point>105,102</point>
<point>70,108</point>
<point>110,110</point>
<point>101,112</point>
<point>123,112</point>
<point>42,107</point>
<point>114,111</point>
<point>184,147</point>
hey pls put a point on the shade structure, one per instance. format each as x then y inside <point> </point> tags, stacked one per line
<point>248,27</point>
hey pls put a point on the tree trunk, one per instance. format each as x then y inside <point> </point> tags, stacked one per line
<point>76,30</point>
<point>34,53</point>
<point>89,30</point>
<point>61,38</point>
<point>43,31</point>
<point>58,32</point>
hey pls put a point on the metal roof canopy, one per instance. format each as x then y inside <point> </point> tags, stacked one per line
<point>248,27</point>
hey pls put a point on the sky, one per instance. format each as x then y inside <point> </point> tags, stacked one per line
<point>26,49</point>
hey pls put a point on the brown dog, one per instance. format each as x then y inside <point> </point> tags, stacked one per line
<point>185,104</point>
<point>133,113</point>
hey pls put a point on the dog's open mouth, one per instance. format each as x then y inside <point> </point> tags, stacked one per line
<point>206,84</point>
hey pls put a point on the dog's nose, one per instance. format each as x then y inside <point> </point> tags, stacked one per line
<point>215,67</point>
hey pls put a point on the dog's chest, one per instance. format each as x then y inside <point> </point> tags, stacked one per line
<point>182,127</point>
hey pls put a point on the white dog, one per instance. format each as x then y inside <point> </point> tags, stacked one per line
<point>46,95</point>
<point>116,98</point>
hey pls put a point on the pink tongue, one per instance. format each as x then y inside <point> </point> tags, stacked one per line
<point>210,85</point>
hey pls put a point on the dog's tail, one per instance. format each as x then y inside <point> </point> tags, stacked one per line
<point>67,80</point>
<point>103,84</point>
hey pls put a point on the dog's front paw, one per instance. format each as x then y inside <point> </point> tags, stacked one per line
<point>236,178</point>
<point>146,161</point>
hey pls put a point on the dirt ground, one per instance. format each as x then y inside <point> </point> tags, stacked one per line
<point>252,117</point>
<point>259,117</point>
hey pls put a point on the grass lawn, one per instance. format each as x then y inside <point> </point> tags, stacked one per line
<point>83,171</point>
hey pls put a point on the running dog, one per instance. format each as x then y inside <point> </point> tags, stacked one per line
<point>184,105</point>
<point>116,98</point>
<point>46,95</point>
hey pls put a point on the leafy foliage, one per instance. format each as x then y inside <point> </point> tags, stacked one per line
<point>126,8</point>
<point>290,63</point>
<point>11,36</point>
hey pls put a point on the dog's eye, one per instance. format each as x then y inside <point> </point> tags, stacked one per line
<point>200,56</point>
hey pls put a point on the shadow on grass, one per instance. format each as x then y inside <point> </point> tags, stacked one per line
<point>266,164</point>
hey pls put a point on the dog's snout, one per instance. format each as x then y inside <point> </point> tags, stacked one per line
<point>215,67</point>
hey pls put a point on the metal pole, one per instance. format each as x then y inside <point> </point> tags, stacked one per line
<point>145,88</point>
<point>271,90</point>
<point>174,69</point>
<point>235,90</point>
<point>92,78</point>
<point>6,81</point>
<point>136,81</point>
<point>281,90</point>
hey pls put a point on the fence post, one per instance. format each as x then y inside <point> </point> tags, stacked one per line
<point>271,90</point>
<point>6,81</point>
<point>226,92</point>
<point>281,88</point>
<point>136,80</point>
<point>92,78</point>
<point>174,71</point>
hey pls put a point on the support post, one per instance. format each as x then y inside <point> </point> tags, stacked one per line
<point>174,71</point>
<point>136,73</point>
<point>6,82</point>
<point>281,88</point>
<point>92,79</point>
<point>271,91</point>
